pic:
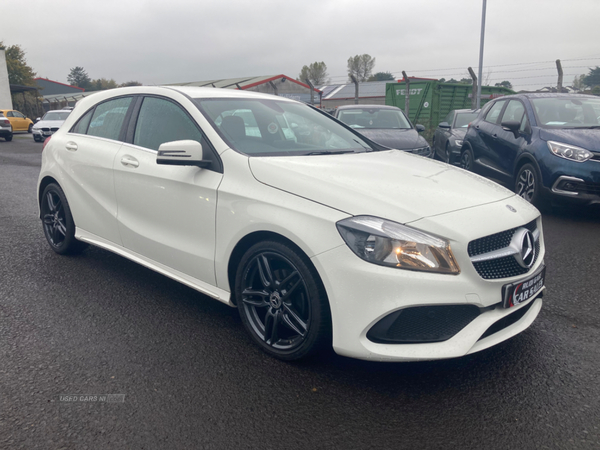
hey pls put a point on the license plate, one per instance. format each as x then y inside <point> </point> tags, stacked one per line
<point>47,133</point>
<point>516,293</point>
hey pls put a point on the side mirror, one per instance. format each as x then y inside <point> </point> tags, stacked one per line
<point>181,153</point>
<point>444,125</point>
<point>420,128</point>
<point>512,126</point>
<point>37,119</point>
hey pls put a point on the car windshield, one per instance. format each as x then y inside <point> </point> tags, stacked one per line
<point>567,112</point>
<point>379,118</point>
<point>464,119</point>
<point>56,115</point>
<point>261,127</point>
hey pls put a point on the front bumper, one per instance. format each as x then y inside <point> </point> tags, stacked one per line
<point>361,294</point>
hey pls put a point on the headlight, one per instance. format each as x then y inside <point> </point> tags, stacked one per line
<point>569,152</point>
<point>391,244</point>
<point>421,150</point>
<point>458,142</point>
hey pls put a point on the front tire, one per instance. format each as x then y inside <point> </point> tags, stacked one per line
<point>30,129</point>
<point>282,302</point>
<point>528,185</point>
<point>57,221</point>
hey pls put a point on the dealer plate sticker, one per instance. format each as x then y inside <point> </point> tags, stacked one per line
<point>517,293</point>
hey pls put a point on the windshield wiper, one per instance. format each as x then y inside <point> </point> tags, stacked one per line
<point>591,127</point>
<point>330,152</point>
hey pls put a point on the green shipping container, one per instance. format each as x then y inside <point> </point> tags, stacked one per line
<point>431,101</point>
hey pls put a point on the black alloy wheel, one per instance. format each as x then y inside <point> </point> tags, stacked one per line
<point>281,301</point>
<point>527,184</point>
<point>466,159</point>
<point>57,221</point>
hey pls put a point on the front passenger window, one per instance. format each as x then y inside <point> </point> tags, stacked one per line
<point>163,121</point>
<point>494,112</point>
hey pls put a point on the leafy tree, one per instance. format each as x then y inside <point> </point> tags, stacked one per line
<point>315,72</point>
<point>506,84</point>
<point>452,80</point>
<point>79,77</point>
<point>442,80</point>
<point>578,82</point>
<point>593,78</point>
<point>18,70</point>
<point>130,83</point>
<point>382,76</point>
<point>466,80</point>
<point>102,84</point>
<point>361,66</point>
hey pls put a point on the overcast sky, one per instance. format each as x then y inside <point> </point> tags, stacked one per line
<point>169,41</point>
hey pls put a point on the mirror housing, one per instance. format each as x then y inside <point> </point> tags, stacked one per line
<point>512,126</point>
<point>37,119</point>
<point>181,153</point>
<point>444,125</point>
<point>420,128</point>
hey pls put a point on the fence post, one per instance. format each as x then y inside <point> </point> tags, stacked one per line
<point>560,76</point>
<point>407,94</point>
<point>474,90</point>
<point>355,81</point>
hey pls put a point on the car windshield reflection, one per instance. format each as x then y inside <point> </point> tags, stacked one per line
<point>277,128</point>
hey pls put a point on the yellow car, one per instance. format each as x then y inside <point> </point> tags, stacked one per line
<point>18,121</point>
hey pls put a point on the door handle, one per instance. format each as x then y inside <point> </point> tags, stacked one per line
<point>71,146</point>
<point>129,161</point>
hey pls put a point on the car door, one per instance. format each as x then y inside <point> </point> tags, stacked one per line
<point>166,213</point>
<point>506,146</point>
<point>487,131</point>
<point>88,154</point>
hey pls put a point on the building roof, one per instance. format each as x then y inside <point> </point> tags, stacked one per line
<point>345,91</point>
<point>50,87</point>
<point>240,83</point>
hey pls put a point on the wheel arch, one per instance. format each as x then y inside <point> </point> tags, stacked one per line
<point>42,185</point>
<point>253,238</point>
<point>526,158</point>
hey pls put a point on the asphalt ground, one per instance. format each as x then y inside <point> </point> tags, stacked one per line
<point>182,373</point>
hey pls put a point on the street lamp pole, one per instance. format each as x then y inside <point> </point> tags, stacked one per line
<point>481,55</point>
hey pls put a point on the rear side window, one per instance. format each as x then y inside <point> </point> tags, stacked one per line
<point>108,118</point>
<point>494,112</point>
<point>82,125</point>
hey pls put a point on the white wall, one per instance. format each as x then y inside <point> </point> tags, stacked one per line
<point>5,98</point>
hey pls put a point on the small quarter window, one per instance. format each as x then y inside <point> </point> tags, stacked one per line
<point>82,124</point>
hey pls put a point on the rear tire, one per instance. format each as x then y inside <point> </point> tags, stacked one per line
<point>8,138</point>
<point>282,302</point>
<point>466,159</point>
<point>57,221</point>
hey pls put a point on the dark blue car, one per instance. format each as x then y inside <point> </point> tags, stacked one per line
<point>545,146</point>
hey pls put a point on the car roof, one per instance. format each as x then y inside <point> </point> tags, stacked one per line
<point>547,95</point>
<point>466,110</point>
<point>367,107</point>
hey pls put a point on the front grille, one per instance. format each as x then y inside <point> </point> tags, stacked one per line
<point>507,321</point>
<point>503,267</point>
<point>422,324</point>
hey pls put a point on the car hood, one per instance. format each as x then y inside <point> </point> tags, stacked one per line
<point>390,184</point>
<point>49,123</point>
<point>588,139</point>
<point>406,139</point>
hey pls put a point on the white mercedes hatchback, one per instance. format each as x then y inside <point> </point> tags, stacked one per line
<point>317,235</point>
